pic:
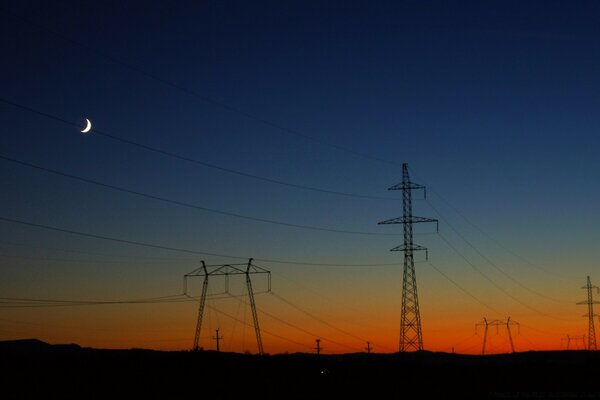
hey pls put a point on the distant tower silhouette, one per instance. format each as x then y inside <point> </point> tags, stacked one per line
<point>318,348</point>
<point>226,271</point>
<point>497,323</point>
<point>575,339</point>
<point>411,334</point>
<point>590,303</point>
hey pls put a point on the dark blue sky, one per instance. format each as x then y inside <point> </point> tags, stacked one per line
<point>494,105</point>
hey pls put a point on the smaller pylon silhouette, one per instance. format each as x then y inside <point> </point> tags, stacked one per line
<point>318,348</point>
<point>226,271</point>
<point>590,303</point>
<point>369,348</point>
<point>497,323</point>
<point>574,338</point>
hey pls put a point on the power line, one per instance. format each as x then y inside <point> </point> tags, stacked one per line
<point>311,315</point>
<point>195,94</point>
<point>496,267</point>
<point>302,329</point>
<point>499,244</point>
<point>263,330</point>
<point>31,246</point>
<point>187,205</point>
<point>462,289</point>
<point>307,289</point>
<point>19,302</point>
<point>25,302</point>
<point>79,260</point>
<point>492,239</point>
<point>179,249</point>
<point>497,286</point>
<point>196,161</point>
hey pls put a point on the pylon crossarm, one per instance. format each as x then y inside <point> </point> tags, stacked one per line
<point>226,270</point>
<point>407,220</point>
<point>414,247</point>
<point>406,186</point>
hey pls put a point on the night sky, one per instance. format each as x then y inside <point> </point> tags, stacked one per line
<point>494,106</point>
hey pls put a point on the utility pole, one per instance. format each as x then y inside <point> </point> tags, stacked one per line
<point>218,339</point>
<point>411,333</point>
<point>369,348</point>
<point>226,271</point>
<point>318,348</point>
<point>590,303</point>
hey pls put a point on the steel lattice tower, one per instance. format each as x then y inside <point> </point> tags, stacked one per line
<point>497,323</point>
<point>226,271</point>
<point>411,334</point>
<point>590,303</point>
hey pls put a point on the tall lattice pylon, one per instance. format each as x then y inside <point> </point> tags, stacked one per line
<point>590,303</point>
<point>411,334</point>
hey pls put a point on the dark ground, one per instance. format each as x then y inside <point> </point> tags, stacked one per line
<point>35,369</point>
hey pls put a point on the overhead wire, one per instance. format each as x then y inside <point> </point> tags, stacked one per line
<point>490,237</point>
<point>179,249</point>
<point>113,255</point>
<point>194,93</point>
<point>308,289</point>
<point>322,321</point>
<point>496,285</point>
<point>300,329</point>
<point>80,261</point>
<point>453,346</point>
<point>196,161</point>
<point>185,204</point>
<point>262,329</point>
<point>27,302</point>
<point>462,289</point>
<point>492,263</point>
<point>21,302</point>
<point>497,242</point>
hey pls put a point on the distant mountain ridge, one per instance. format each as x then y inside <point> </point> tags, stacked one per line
<point>35,369</point>
<point>33,345</point>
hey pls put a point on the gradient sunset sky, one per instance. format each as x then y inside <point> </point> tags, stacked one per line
<point>494,106</point>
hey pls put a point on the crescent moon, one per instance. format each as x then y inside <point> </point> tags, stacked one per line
<point>88,126</point>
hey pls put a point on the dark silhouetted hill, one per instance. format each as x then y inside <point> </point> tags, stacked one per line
<point>38,369</point>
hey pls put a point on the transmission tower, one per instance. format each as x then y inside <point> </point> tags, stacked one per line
<point>411,334</point>
<point>318,348</point>
<point>575,339</point>
<point>590,303</point>
<point>497,323</point>
<point>226,271</point>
